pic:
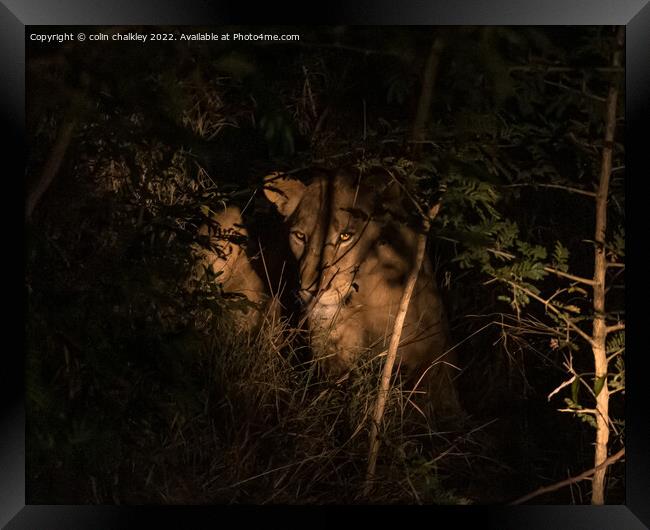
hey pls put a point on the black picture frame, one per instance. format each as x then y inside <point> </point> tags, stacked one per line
<point>16,15</point>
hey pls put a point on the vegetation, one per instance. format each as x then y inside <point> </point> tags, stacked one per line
<point>140,391</point>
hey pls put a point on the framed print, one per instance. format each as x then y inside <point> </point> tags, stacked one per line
<point>370,257</point>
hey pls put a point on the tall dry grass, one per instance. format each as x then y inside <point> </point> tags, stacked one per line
<point>276,430</point>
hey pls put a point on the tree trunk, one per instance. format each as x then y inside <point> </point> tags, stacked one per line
<point>429,75</point>
<point>52,165</point>
<point>600,267</point>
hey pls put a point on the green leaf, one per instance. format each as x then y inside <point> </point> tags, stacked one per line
<point>576,289</point>
<point>560,257</point>
<point>572,404</point>
<point>587,418</point>
<point>619,242</point>
<point>616,342</point>
<point>598,384</point>
<point>575,387</point>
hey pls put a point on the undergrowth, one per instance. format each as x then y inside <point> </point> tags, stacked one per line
<point>231,417</point>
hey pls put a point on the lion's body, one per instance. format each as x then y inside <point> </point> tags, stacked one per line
<point>227,261</point>
<point>355,252</point>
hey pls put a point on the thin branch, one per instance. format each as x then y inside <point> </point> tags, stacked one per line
<point>562,385</point>
<point>587,281</point>
<point>615,328</point>
<point>580,411</point>
<point>577,91</point>
<point>572,480</point>
<point>384,387</point>
<point>555,186</point>
<point>613,264</point>
<point>584,146</point>
<point>552,69</point>
<point>546,303</point>
<point>507,255</point>
<point>423,112</point>
<point>239,483</point>
<point>615,354</point>
<point>496,252</point>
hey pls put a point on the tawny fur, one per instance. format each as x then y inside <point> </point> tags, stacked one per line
<point>230,265</point>
<point>355,252</point>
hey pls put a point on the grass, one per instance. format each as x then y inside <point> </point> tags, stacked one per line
<point>221,416</point>
<point>281,433</point>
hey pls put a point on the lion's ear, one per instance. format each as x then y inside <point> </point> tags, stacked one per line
<point>284,192</point>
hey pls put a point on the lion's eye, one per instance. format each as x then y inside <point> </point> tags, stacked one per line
<point>299,236</point>
<point>345,236</point>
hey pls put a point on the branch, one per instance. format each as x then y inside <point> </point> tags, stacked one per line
<point>562,385</point>
<point>584,146</point>
<point>580,279</point>
<point>569,276</point>
<point>555,186</point>
<point>615,328</point>
<point>615,354</point>
<point>496,252</point>
<point>426,93</point>
<point>52,165</point>
<point>571,89</point>
<point>573,277</point>
<point>551,69</point>
<point>580,411</point>
<point>569,481</point>
<point>398,325</point>
<point>555,310</point>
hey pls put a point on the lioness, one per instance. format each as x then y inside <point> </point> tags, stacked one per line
<point>355,248</point>
<point>226,258</point>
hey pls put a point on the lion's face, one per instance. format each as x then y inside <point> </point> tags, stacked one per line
<point>352,263</point>
<point>224,255</point>
<point>226,233</point>
<point>355,242</point>
<point>330,233</point>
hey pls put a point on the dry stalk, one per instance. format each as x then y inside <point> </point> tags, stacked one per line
<point>384,386</point>
<point>426,95</point>
<point>571,480</point>
<point>52,165</point>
